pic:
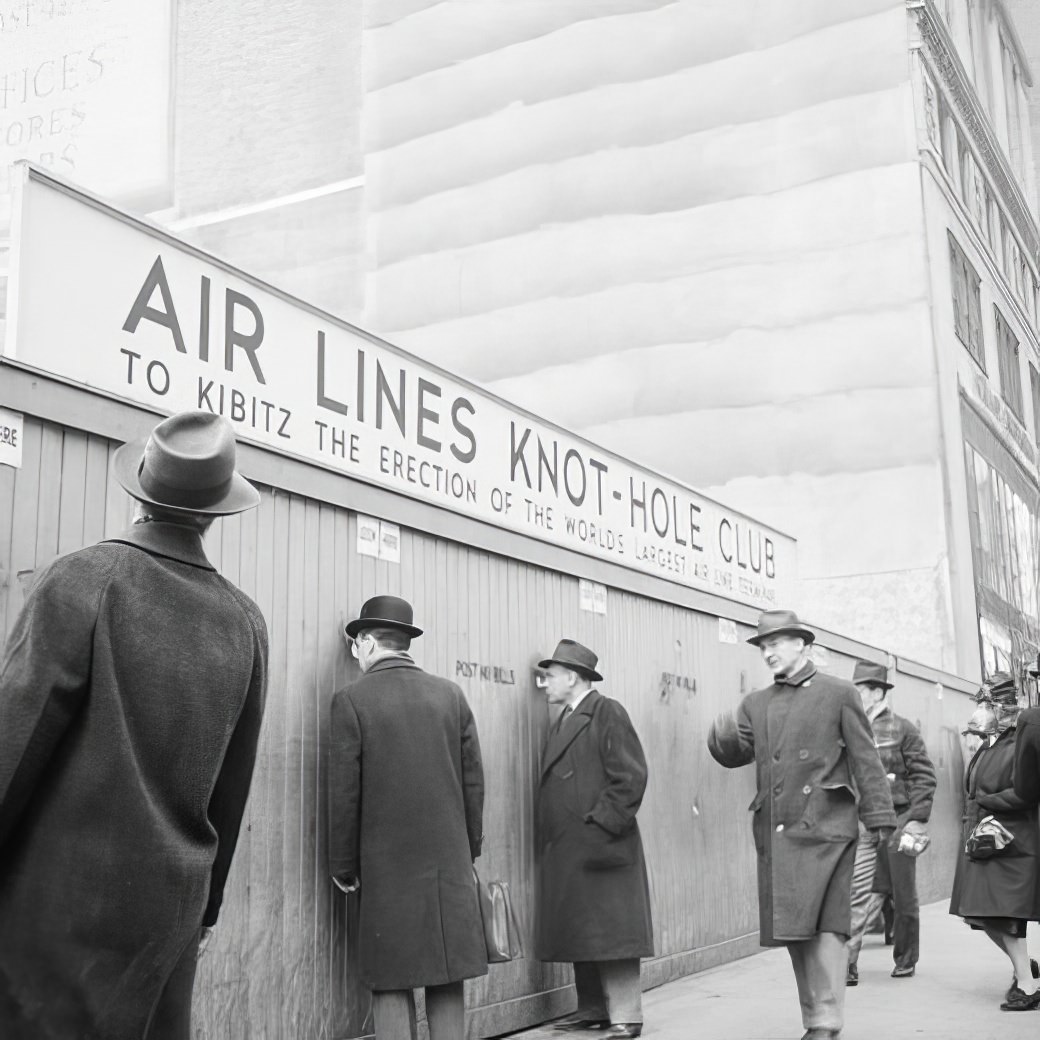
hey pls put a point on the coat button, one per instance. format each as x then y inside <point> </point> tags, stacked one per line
<point>803,754</point>
<point>779,828</point>
<point>778,788</point>
<point>776,757</point>
<point>807,789</point>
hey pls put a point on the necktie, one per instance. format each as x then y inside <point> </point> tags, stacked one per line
<point>563,717</point>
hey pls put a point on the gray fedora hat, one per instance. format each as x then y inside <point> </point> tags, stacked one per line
<point>571,654</point>
<point>781,622</point>
<point>871,674</point>
<point>187,464</point>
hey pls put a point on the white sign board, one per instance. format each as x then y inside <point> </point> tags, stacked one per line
<point>101,300</point>
<point>12,425</point>
<point>85,91</point>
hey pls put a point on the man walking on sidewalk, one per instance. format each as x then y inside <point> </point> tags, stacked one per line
<point>880,867</point>
<point>593,894</point>
<point>813,749</point>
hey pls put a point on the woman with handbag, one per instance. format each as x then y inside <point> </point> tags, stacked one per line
<point>997,885</point>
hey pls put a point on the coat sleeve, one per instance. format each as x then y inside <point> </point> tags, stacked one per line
<point>472,779</point>
<point>1027,756</point>
<point>875,795</point>
<point>732,740</point>
<point>920,775</point>
<point>344,789</point>
<point>227,803</point>
<point>45,676</point>
<point>624,764</point>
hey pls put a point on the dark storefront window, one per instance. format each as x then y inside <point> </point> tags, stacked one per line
<point>1010,371</point>
<point>967,308</point>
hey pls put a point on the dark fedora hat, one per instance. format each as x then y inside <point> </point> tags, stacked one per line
<point>578,658</point>
<point>999,688</point>
<point>384,612</point>
<point>871,674</point>
<point>781,622</point>
<point>187,464</point>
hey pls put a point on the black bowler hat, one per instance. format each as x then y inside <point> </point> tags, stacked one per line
<point>781,622</point>
<point>999,688</point>
<point>871,674</point>
<point>187,464</point>
<point>578,658</point>
<point>385,612</point>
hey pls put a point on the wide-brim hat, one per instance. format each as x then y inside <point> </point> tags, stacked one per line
<point>186,464</point>
<point>781,622</point>
<point>869,673</point>
<point>384,612</point>
<point>999,688</point>
<point>571,654</point>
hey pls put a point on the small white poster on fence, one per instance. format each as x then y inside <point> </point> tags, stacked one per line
<point>12,425</point>
<point>727,630</point>
<point>367,536</point>
<point>389,542</point>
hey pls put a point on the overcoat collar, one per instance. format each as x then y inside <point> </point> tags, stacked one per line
<point>802,676</point>
<point>561,738</point>
<point>174,541</point>
<point>384,664</point>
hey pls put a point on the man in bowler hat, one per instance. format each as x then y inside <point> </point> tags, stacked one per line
<point>813,750</point>
<point>406,799</point>
<point>882,869</point>
<point>593,896</point>
<point>130,704</point>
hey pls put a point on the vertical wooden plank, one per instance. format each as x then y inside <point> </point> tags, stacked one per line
<point>96,489</point>
<point>119,506</point>
<point>72,491</point>
<point>48,515</point>
<point>24,512</point>
<point>8,578</point>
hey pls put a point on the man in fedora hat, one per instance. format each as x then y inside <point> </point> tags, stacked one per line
<point>813,751</point>
<point>406,799</point>
<point>881,868</point>
<point>130,704</point>
<point>593,895</point>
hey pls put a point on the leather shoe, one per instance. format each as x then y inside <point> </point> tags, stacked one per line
<point>575,1024</point>
<point>816,1033</point>
<point>852,975</point>
<point>625,1029</point>
<point>900,972</point>
<point>1019,1001</point>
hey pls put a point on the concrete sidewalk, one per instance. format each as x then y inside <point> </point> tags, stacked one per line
<point>955,994</point>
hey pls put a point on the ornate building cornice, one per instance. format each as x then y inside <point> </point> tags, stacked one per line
<point>940,53</point>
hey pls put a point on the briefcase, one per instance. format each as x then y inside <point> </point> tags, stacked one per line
<point>501,931</point>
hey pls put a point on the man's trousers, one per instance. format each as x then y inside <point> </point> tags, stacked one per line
<point>394,1013</point>
<point>609,990</point>
<point>895,874</point>
<point>819,969</point>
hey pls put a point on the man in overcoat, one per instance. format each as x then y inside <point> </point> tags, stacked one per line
<point>406,799</point>
<point>593,895</point>
<point>813,751</point>
<point>131,697</point>
<point>882,869</point>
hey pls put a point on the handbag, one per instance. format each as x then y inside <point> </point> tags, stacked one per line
<point>988,838</point>
<point>501,931</point>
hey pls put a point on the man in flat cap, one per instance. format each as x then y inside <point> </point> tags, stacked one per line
<point>882,869</point>
<point>813,750</point>
<point>593,895</point>
<point>406,799</point>
<point>130,704</point>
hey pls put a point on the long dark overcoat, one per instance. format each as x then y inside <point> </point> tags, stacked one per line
<point>593,895</point>
<point>813,751</point>
<point>406,799</point>
<point>131,696</point>
<point>1007,885</point>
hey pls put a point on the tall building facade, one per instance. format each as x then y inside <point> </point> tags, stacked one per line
<point>786,252</point>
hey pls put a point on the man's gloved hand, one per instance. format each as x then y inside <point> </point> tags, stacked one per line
<point>915,827</point>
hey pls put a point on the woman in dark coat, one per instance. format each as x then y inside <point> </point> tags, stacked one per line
<point>1001,894</point>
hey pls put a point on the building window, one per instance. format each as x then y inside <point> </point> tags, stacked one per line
<point>967,308</point>
<point>1034,393</point>
<point>1010,372</point>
